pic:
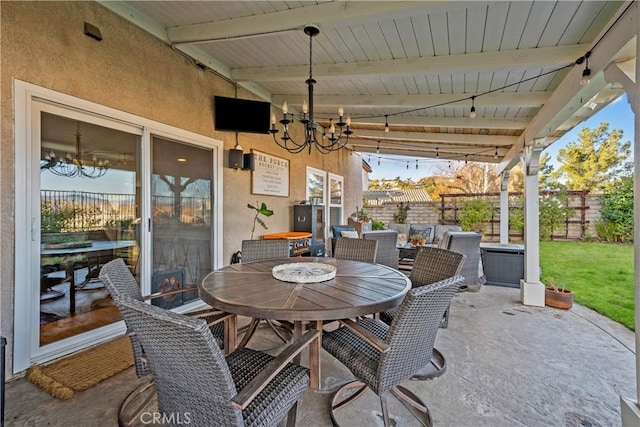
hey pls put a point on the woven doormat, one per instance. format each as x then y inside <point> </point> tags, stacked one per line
<point>64,378</point>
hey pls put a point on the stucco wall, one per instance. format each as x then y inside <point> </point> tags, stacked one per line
<point>130,70</point>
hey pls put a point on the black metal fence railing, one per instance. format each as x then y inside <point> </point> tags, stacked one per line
<point>72,211</point>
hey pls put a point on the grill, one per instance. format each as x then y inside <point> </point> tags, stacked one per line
<point>298,241</point>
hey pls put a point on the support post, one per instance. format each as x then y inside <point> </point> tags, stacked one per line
<point>531,289</point>
<point>504,207</point>
<point>630,80</point>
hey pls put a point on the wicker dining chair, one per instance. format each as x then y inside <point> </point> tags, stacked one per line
<point>258,250</point>
<point>119,280</point>
<point>381,357</point>
<point>197,385</point>
<point>364,250</point>
<point>388,253</point>
<point>432,265</point>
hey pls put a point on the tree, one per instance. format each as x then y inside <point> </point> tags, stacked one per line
<point>474,178</point>
<point>595,161</point>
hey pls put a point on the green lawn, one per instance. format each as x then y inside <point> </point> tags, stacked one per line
<point>599,274</point>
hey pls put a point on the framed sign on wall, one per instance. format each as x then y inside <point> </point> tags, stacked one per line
<point>270,175</point>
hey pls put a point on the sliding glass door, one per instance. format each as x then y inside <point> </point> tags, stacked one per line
<point>94,184</point>
<point>89,203</point>
<point>181,206</point>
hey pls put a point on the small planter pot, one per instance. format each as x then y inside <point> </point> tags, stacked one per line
<point>558,298</point>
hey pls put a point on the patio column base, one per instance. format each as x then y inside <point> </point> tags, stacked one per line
<point>532,293</point>
<point>629,412</point>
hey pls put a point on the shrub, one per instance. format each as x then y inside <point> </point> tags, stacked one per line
<point>377,225</point>
<point>516,218</point>
<point>553,214</point>
<point>56,218</point>
<point>617,212</point>
<point>475,215</point>
<point>610,231</point>
<point>400,217</point>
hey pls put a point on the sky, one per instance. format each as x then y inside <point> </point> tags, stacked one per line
<point>618,114</point>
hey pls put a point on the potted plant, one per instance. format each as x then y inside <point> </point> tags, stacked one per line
<point>418,239</point>
<point>261,209</point>
<point>557,296</point>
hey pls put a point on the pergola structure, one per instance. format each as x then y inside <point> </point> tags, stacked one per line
<point>422,67</point>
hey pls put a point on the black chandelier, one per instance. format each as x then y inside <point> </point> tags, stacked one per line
<point>330,140</point>
<point>74,165</point>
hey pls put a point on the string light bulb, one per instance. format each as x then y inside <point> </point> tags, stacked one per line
<point>407,164</point>
<point>378,148</point>
<point>466,159</point>
<point>495,155</point>
<point>386,123</point>
<point>472,114</point>
<point>437,154</point>
<point>378,161</point>
<point>416,164</point>
<point>586,73</point>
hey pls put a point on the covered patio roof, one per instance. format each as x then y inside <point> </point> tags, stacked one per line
<point>422,64</point>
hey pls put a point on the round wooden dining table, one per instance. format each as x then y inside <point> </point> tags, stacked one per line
<point>250,289</point>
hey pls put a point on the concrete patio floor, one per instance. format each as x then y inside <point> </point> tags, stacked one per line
<point>508,365</point>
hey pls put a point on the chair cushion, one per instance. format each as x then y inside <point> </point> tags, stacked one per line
<point>359,356</point>
<point>350,234</point>
<point>425,229</point>
<point>338,229</point>
<point>274,401</point>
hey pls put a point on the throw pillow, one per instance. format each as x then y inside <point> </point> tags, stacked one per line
<point>350,234</point>
<point>421,228</point>
<point>338,229</point>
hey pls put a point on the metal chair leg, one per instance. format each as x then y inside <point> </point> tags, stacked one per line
<point>385,409</point>
<point>141,395</point>
<point>436,368</point>
<point>410,401</point>
<point>291,416</point>
<point>413,403</point>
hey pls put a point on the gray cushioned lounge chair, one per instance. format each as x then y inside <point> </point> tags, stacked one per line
<point>468,244</point>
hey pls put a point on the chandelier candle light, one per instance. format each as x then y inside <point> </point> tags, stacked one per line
<point>72,166</point>
<point>332,141</point>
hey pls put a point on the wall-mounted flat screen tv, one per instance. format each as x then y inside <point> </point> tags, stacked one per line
<point>241,115</point>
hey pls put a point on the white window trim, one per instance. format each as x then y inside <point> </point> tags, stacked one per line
<point>315,171</point>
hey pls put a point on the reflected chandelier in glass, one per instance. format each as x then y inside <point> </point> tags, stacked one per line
<point>74,165</point>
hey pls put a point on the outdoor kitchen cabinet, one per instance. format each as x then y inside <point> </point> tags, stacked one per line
<point>503,264</point>
<point>311,218</point>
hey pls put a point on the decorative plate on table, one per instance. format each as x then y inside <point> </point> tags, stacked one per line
<point>304,272</point>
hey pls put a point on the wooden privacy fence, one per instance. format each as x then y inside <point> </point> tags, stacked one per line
<point>575,227</point>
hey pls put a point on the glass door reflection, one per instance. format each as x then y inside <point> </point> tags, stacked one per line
<point>89,210</point>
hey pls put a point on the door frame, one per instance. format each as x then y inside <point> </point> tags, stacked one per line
<point>26,350</point>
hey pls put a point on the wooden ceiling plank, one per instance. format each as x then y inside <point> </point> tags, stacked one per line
<point>555,56</point>
<point>489,140</point>
<point>524,99</point>
<point>293,19</point>
<point>452,122</point>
